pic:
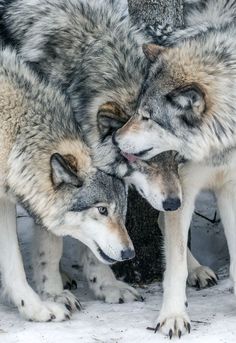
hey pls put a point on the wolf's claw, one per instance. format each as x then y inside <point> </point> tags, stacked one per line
<point>173,325</point>
<point>202,277</point>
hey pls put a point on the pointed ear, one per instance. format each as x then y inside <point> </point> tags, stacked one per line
<point>63,170</point>
<point>190,98</point>
<point>152,51</point>
<point>110,118</point>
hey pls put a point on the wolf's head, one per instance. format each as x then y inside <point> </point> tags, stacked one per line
<point>156,180</point>
<point>90,206</point>
<point>187,102</point>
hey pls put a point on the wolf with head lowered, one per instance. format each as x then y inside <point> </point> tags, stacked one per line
<point>47,167</point>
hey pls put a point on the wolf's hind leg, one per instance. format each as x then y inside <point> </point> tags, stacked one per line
<point>47,252</point>
<point>14,280</point>
<point>227,207</point>
<point>102,280</point>
<point>198,276</point>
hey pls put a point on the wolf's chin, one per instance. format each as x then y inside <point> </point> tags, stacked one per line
<point>100,254</point>
<point>105,257</point>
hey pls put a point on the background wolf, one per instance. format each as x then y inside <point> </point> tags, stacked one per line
<point>47,167</point>
<point>92,51</point>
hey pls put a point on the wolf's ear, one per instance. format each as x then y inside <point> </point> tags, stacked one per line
<point>190,98</point>
<point>63,170</point>
<point>110,118</point>
<point>152,51</point>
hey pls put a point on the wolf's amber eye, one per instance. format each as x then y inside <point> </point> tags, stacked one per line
<point>145,118</point>
<point>103,210</point>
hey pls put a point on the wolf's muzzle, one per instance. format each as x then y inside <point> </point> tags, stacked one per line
<point>171,204</point>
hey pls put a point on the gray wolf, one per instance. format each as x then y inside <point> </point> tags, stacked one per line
<point>47,167</point>
<point>189,103</point>
<point>91,50</point>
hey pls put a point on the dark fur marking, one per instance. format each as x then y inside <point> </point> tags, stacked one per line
<point>22,303</point>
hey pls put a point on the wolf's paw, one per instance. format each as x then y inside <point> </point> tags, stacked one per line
<point>118,293</point>
<point>202,277</point>
<point>68,283</point>
<point>43,311</point>
<point>173,324</point>
<point>67,298</point>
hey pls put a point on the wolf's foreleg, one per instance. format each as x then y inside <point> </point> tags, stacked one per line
<point>13,275</point>
<point>103,282</point>
<point>173,318</point>
<point>198,276</point>
<point>47,252</point>
<point>227,206</point>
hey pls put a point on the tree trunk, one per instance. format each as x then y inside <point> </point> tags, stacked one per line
<point>141,217</point>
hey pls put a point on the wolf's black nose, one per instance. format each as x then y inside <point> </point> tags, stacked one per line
<point>113,138</point>
<point>127,254</point>
<point>171,204</point>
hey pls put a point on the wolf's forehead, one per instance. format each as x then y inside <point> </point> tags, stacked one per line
<point>110,187</point>
<point>104,190</point>
<point>113,191</point>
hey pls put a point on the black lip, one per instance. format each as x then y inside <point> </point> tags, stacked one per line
<point>142,153</point>
<point>104,256</point>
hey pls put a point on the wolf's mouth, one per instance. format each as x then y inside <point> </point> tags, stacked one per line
<point>142,153</point>
<point>104,256</point>
<point>134,157</point>
<point>131,158</point>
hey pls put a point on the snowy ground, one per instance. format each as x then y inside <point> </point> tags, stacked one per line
<point>213,311</point>
<point>213,314</point>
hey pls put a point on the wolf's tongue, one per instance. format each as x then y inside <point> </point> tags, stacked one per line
<point>131,158</point>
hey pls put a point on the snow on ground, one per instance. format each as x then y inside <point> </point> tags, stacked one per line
<point>213,313</point>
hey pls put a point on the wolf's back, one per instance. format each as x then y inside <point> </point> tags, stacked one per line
<point>18,17</point>
<point>213,12</point>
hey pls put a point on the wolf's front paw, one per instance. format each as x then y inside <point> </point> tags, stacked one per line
<point>117,292</point>
<point>66,298</point>
<point>173,324</point>
<point>43,311</point>
<point>202,277</point>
